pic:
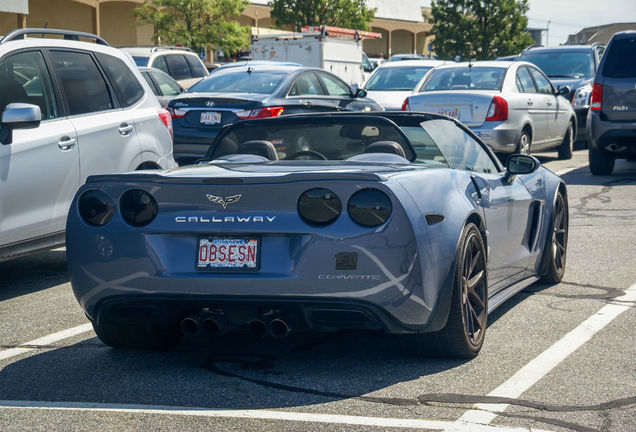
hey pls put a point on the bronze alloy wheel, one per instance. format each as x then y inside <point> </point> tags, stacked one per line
<point>559,235</point>
<point>473,289</point>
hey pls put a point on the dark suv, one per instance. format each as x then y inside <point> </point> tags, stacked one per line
<point>574,66</point>
<point>611,121</point>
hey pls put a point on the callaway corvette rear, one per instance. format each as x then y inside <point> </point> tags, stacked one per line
<point>240,246</point>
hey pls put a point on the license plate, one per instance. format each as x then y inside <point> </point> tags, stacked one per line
<point>210,117</point>
<point>485,135</point>
<point>451,112</point>
<point>227,253</point>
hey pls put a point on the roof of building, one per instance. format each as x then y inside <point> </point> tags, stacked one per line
<point>601,34</point>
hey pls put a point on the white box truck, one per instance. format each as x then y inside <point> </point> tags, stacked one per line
<point>333,49</point>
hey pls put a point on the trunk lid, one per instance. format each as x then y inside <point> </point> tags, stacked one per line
<point>469,107</point>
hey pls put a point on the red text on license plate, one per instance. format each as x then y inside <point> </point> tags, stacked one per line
<point>451,112</point>
<point>227,253</point>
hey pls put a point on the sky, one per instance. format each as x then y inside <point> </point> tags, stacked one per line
<point>570,16</point>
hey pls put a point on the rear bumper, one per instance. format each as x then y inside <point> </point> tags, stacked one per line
<point>236,313</point>
<point>498,136</point>
<point>616,137</point>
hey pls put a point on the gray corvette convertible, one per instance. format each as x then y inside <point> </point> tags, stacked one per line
<point>400,222</point>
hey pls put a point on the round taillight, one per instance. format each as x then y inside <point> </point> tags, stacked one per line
<point>137,207</point>
<point>370,207</point>
<point>96,208</point>
<point>319,206</point>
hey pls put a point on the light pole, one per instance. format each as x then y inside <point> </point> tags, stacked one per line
<point>547,34</point>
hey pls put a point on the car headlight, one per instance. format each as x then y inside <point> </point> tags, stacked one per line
<point>370,207</point>
<point>96,208</point>
<point>581,97</point>
<point>319,206</point>
<point>138,207</point>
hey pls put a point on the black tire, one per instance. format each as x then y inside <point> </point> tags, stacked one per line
<point>555,251</point>
<point>567,146</point>
<point>463,335</point>
<point>601,161</point>
<point>140,337</point>
<point>524,143</point>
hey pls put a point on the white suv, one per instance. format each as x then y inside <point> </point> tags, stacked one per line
<point>180,63</point>
<point>68,109</point>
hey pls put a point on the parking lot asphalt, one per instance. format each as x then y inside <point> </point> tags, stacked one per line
<point>556,357</point>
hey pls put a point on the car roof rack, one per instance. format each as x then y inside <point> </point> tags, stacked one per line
<point>170,47</point>
<point>68,35</point>
<point>532,46</point>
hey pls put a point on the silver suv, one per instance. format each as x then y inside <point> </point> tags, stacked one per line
<point>69,109</point>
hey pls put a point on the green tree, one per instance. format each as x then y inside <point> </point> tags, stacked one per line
<point>479,29</point>
<point>196,23</point>
<point>340,13</point>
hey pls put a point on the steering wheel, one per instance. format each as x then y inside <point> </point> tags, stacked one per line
<point>309,153</point>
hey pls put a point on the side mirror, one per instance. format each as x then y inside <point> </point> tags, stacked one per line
<point>563,90</point>
<point>519,164</point>
<point>18,116</point>
<point>360,93</point>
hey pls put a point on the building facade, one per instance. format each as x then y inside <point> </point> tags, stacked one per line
<point>400,22</point>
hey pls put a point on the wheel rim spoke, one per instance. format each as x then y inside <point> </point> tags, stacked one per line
<point>473,290</point>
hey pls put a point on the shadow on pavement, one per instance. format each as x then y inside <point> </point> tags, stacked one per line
<point>32,273</point>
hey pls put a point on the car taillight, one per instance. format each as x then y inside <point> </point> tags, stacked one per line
<point>596,101</point>
<point>370,207</point>
<point>166,119</point>
<point>405,104</point>
<point>138,207</point>
<point>259,113</point>
<point>319,206</point>
<point>498,110</point>
<point>176,113</point>
<point>96,208</point>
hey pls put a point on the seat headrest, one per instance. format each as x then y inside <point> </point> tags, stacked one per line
<point>386,147</point>
<point>258,147</point>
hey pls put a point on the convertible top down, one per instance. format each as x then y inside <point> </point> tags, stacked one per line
<point>400,222</point>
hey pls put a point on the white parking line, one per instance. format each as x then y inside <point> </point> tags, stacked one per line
<point>46,340</point>
<point>261,415</point>
<point>531,373</point>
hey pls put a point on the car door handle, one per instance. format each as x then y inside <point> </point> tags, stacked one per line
<point>66,143</point>
<point>549,103</point>
<point>308,105</point>
<point>529,102</point>
<point>125,129</point>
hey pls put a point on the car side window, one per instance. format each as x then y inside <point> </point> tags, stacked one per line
<point>167,87</point>
<point>525,84</point>
<point>334,86</point>
<point>178,66</point>
<point>306,84</point>
<point>543,84</point>
<point>151,83</point>
<point>83,85</point>
<point>198,70</point>
<point>460,150</point>
<point>25,78</point>
<point>160,63</point>
<point>122,79</point>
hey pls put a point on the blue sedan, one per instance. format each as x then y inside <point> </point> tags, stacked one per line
<point>400,222</point>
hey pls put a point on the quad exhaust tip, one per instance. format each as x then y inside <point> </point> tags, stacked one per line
<point>278,328</point>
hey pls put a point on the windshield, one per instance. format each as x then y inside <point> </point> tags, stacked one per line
<point>311,138</point>
<point>241,81</point>
<point>141,61</point>
<point>396,78</point>
<point>465,78</point>
<point>562,64</point>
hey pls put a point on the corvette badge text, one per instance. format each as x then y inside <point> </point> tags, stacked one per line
<point>348,277</point>
<point>225,219</point>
